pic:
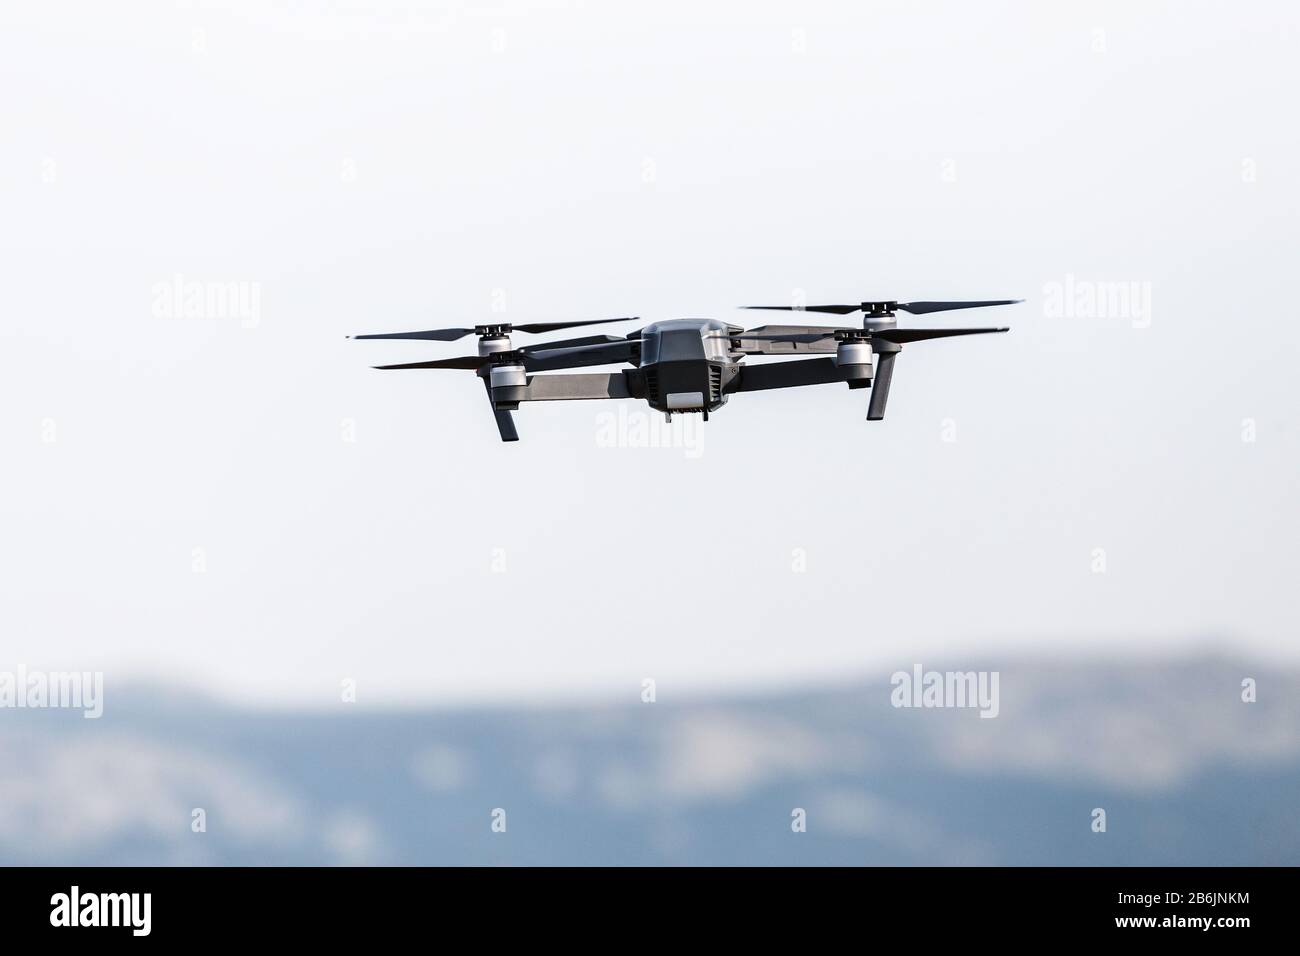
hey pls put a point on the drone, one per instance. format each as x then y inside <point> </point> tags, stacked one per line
<point>685,366</point>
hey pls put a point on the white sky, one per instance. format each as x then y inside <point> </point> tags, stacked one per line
<point>390,172</point>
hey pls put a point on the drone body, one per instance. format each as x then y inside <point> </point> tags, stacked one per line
<point>690,365</point>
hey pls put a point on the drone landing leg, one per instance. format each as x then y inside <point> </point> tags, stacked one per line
<point>505,421</point>
<point>880,387</point>
<point>505,424</point>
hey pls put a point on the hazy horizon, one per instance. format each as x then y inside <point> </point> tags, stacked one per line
<point>1186,771</point>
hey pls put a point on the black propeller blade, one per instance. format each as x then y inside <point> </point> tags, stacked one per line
<point>903,336</point>
<point>915,308</point>
<point>432,335</point>
<point>538,359</point>
<point>451,335</point>
<point>900,336</point>
<point>553,326</point>
<point>464,361</point>
<point>924,308</point>
<point>836,309</point>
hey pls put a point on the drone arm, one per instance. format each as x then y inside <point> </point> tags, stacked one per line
<point>555,358</point>
<point>574,343</point>
<point>565,388</point>
<point>749,346</point>
<point>757,378</point>
<point>784,340</point>
<point>552,388</point>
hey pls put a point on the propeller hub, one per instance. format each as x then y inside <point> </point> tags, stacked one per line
<point>886,308</point>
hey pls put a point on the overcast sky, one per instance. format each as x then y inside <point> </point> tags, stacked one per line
<point>238,502</point>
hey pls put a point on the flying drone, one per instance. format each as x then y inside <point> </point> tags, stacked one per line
<point>690,365</point>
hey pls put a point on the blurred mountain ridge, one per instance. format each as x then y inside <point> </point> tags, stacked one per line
<point>1187,772</point>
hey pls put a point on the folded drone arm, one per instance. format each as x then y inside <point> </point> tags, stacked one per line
<point>784,340</point>
<point>568,388</point>
<point>756,378</point>
<point>558,388</point>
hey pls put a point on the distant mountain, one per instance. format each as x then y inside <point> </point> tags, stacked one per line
<point>1186,772</point>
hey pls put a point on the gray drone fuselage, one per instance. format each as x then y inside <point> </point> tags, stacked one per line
<point>687,365</point>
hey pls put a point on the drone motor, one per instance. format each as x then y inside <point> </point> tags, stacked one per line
<point>493,339</point>
<point>853,359</point>
<point>508,382</point>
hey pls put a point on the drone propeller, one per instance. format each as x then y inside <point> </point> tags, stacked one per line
<point>901,336</point>
<point>880,329</point>
<point>886,307</point>
<point>514,363</point>
<point>465,361</point>
<point>537,358</point>
<point>889,335</point>
<point>505,328</point>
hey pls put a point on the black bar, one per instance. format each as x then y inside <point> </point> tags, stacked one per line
<point>923,904</point>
